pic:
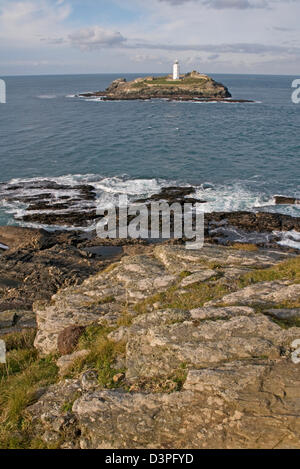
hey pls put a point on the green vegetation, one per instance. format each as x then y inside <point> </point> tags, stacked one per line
<point>99,302</point>
<point>102,356</point>
<point>168,81</point>
<point>68,405</point>
<point>287,323</point>
<point>26,371</point>
<point>245,247</point>
<point>24,374</point>
<point>287,270</point>
<point>198,294</point>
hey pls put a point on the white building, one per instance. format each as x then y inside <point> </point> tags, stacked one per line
<point>176,70</point>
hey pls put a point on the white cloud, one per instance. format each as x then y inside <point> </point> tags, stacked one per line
<point>27,21</point>
<point>224,35</point>
<point>225,4</point>
<point>95,37</point>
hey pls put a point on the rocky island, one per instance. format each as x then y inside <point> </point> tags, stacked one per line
<point>190,87</point>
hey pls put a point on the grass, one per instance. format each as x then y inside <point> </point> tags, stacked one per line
<point>287,270</point>
<point>26,371</point>
<point>287,323</point>
<point>125,319</point>
<point>197,295</point>
<point>24,374</point>
<point>166,81</point>
<point>245,247</point>
<point>102,356</point>
<point>99,301</point>
<point>68,405</point>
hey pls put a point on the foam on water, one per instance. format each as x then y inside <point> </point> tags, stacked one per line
<point>219,198</point>
<point>47,96</point>
<point>289,239</point>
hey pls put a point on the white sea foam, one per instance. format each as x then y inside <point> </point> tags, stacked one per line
<point>231,198</point>
<point>47,96</point>
<point>289,239</point>
<point>219,198</point>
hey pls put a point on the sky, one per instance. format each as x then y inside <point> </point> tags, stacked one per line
<point>146,36</point>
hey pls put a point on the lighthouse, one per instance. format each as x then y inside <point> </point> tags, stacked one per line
<point>176,70</point>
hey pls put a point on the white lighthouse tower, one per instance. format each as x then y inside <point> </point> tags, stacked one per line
<point>176,70</point>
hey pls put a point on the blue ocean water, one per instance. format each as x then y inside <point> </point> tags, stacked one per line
<point>238,155</point>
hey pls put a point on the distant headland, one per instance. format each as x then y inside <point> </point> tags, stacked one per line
<point>192,86</point>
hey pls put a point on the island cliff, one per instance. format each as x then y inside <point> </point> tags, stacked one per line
<point>192,86</point>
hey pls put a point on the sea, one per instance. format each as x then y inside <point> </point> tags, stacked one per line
<point>237,155</point>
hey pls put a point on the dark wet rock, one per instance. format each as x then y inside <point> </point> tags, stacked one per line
<point>76,218</point>
<point>255,221</point>
<point>76,202</point>
<point>68,339</point>
<point>283,200</point>
<point>172,195</point>
<point>38,263</point>
<point>16,237</point>
<point>48,206</point>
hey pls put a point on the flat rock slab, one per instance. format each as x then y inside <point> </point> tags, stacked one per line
<point>158,348</point>
<point>234,406</point>
<point>198,277</point>
<point>284,313</point>
<point>133,279</point>
<point>263,293</point>
<point>65,362</point>
<point>179,259</point>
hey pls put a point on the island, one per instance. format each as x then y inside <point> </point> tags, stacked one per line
<point>193,86</point>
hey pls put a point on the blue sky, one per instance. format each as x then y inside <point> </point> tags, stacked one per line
<point>115,36</point>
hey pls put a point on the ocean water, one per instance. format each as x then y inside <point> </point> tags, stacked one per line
<point>238,155</point>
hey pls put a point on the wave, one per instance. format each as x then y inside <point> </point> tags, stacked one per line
<point>47,96</point>
<point>56,190</point>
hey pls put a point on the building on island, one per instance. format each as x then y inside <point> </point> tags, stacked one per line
<point>176,70</point>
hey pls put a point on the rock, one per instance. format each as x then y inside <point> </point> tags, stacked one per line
<point>68,339</point>
<point>213,376</point>
<point>16,237</point>
<point>18,320</point>
<point>284,313</point>
<point>89,380</point>
<point>264,293</point>
<point>7,319</point>
<point>49,416</point>
<point>178,259</point>
<point>100,296</point>
<point>198,277</point>
<point>281,199</point>
<point>157,348</point>
<point>65,362</point>
<point>38,264</point>
<point>189,88</point>
<point>258,222</point>
<point>172,195</point>
<point>221,313</point>
<point>237,405</point>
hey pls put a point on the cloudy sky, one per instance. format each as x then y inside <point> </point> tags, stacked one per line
<point>103,36</point>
